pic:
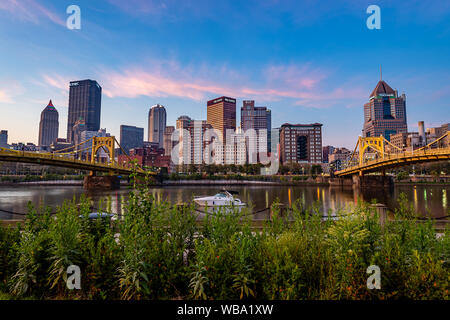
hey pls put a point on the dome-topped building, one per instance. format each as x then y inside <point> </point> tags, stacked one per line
<point>48,126</point>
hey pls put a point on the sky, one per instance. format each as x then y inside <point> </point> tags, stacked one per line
<point>308,61</point>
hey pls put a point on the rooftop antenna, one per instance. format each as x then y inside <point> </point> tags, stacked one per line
<point>381,74</point>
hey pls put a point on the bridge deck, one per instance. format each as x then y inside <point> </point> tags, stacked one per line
<point>397,160</point>
<point>63,161</point>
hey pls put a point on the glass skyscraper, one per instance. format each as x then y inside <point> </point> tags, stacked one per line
<point>131,137</point>
<point>157,124</point>
<point>85,97</point>
<point>4,139</point>
<point>259,119</point>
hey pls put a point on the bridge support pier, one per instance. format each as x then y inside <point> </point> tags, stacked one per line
<point>341,182</point>
<point>369,181</point>
<point>93,182</point>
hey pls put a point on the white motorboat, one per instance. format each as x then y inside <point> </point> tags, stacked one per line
<point>223,198</point>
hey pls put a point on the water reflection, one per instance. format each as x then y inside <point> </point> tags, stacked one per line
<point>428,200</point>
<point>444,198</point>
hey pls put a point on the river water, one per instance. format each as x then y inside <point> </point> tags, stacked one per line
<point>427,200</point>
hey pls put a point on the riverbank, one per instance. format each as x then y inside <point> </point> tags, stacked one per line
<point>161,252</point>
<point>245,180</point>
<point>44,183</point>
<point>321,182</point>
<point>52,183</point>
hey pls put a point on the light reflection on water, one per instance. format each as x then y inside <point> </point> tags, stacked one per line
<point>428,200</point>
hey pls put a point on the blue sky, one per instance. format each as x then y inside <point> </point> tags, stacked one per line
<point>308,61</point>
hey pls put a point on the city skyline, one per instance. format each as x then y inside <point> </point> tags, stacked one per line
<point>305,67</point>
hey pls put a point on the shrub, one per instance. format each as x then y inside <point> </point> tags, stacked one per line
<point>164,253</point>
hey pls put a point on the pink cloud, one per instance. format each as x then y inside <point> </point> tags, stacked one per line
<point>168,78</point>
<point>9,90</point>
<point>294,76</point>
<point>5,97</point>
<point>30,10</point>
<point>306,86</point>
<point>54,80</point>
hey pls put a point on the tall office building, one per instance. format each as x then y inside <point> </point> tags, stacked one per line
<point>48,126</point>
<point>385,113</point>
<point>326,151</point>
<point>192,140</point>
<point>168,143</point>
<point>235,151</point>
<point>157,124</point>
<point>269,129</point>
<point>259,119</point>
<point>85,98</point>
<point>183,121</point>
<point>301,143</point>
<point>131,137</point>
<point>77,129</point>
<point>4,139</point>
<point>221,115</point>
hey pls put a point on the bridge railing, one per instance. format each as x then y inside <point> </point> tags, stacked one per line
<point>61,157</point>
<point>395,156</point>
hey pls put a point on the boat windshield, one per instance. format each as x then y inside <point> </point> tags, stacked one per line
<point>221,195</point>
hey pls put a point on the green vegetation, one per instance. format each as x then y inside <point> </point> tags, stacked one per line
<point>246,169</point>
<point>292,179</point>
<point>214,169</point>
<point>164,253</point>
<point>436,169</point>
<point>402,175</point>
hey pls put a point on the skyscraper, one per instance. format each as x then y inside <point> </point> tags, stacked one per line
<point>385,113</point>
<point>221,115</point>
<point>131,137</point>
<point>168,143</point>
<point>301,143</point>
<point>78,128</point>
<point>48,126</point>
<point>157,124</point>
<point>85,98</point>
<point>4,139</point>
<point>259,119</point>
<point>192,140</point>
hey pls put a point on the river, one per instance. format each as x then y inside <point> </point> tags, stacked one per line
<point>427,200</point>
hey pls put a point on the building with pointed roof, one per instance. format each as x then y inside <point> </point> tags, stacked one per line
<point>385,113</point>
<point>48,126</point>
<point>382,88</point>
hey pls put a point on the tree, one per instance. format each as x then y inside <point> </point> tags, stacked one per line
<point>283,169</point>
<point>191,168</point>
<point>316,169</point>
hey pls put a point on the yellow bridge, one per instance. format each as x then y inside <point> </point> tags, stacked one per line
<point>376,154</point>
<point>71,157</point>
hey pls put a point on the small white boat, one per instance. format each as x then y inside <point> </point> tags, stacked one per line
<point>223,198</point>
